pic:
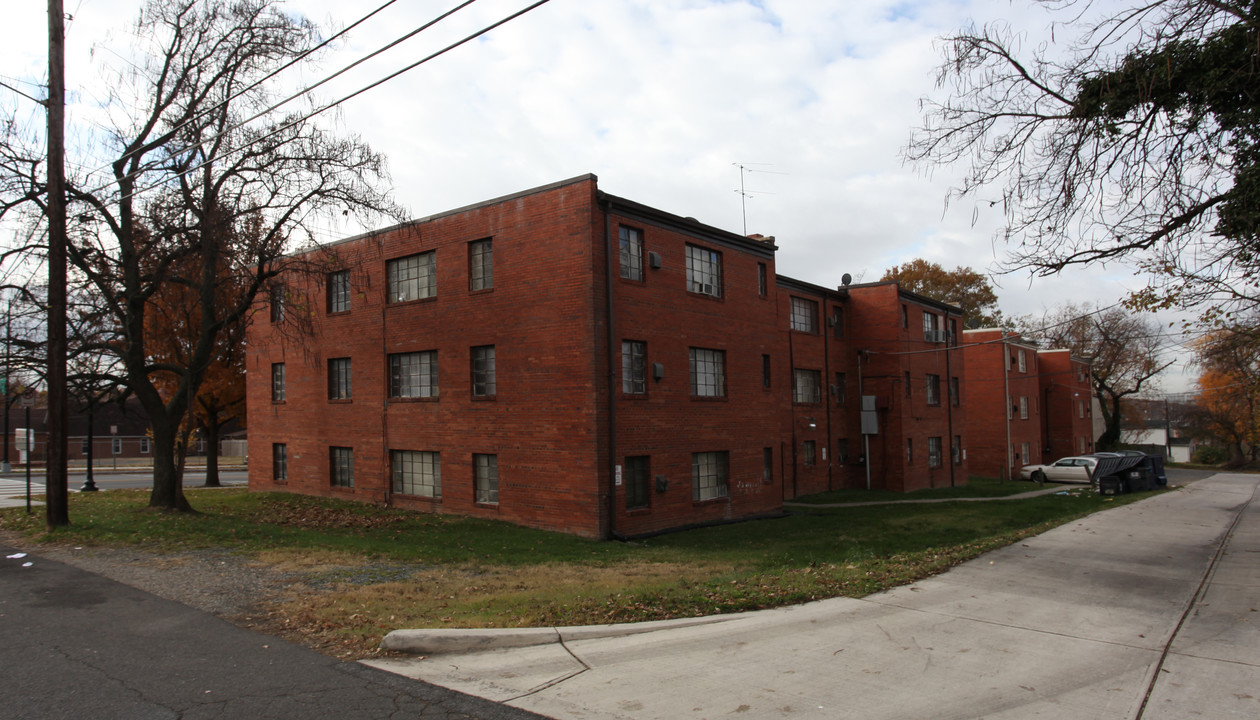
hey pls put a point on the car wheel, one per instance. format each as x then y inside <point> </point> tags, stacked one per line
<point>1039,477</point>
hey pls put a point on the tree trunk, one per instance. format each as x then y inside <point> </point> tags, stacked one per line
<point>212,453</point>
<point>168,486</point>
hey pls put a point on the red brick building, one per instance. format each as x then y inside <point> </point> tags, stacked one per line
<point>913,376</point>
<point>1005,379</point>
<point>1066,393</point>
<point>559,358</point>
<point>567,359</point>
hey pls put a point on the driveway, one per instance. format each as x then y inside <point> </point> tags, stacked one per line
<point>1145,611</point>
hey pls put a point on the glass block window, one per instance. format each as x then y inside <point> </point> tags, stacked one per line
<point>486,478</point>
<point>806,386</point>
<point>709,475</point>
<point>413,375</point>
<point>411,278</point>
<point>483,372</point>
<point>414,472</point>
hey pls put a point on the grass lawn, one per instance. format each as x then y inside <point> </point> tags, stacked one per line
<point>359,570</point>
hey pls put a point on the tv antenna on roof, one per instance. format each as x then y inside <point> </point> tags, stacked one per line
<point>745,194</point>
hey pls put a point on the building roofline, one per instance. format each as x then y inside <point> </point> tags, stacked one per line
<point>909,295</point>
<point>688,225</point>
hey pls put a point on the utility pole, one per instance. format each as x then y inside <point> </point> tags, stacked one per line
<point>56,480</point>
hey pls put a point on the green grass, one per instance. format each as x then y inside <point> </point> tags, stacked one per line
<point>363,570</point>
<point>975,487</point>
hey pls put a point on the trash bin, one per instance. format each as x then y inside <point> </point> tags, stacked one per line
<point>1111,485</point>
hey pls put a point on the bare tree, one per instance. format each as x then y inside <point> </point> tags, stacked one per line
<point>1124,350</point>
<point>203,180</point>
<point>1136,141</point>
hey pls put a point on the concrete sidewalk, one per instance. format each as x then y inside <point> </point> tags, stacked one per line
<point>1145,611</point>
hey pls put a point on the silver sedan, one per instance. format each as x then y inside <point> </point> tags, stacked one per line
<point>1068,469</point>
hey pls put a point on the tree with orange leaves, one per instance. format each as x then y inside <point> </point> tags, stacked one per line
<point>1229,388</point>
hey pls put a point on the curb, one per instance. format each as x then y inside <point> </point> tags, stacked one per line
<point>456,640</point>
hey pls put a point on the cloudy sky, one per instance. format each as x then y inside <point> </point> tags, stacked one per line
<point>662,100</point>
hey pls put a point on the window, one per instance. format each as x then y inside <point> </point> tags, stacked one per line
<point>338,287</point>
<point>481,264</point>
<point>909,451</point>
<point>277,382</point>
<point>116,446</point>
<point>767,465</point>
<point>483,373</point>
<point>633,367</point>
<point>339,379</point>
<point>842,451</point>
<point>704,271</point>
<point>708,475</point>
<point>411,278</point>
<point>931,327</point>
<point>486,478</point>
<point>905,316</point>
<point>277,303</point>
<point>765,371</point>
<point>906,382</point>
<point>804,315</point>
<point>934,452</point>
<point>84,447</point>
<point>1084,444</point>
<point>1023,407</point>
<point>708,373</point>
<point>413,375</point>
<point>341,466</point>
<point>1080,408</point>
<point>416,473</point>
<point>1022,361</point>
<point>637,475</point>
<point>837,319</point>
<point>953,391</point>
<point>144,446</point>
<point>956,449</point>
<point>279,462</point>
<point>761,279</point>
<point>631,243</point>
<point>805,386</point>
<point>934,390</point>
<point>1025,452</point>
<point>809,453</point>
<point>842,388</point>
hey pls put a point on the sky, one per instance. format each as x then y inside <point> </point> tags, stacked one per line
<point>663,100</point>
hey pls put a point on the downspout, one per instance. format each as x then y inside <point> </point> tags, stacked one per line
<point>792,414</point>
<point>612,374</point>
<point>866,439</point>
<point>949,403</point>
<point>1006,383</point>
<point>827,376</point>
<point>389,474</point>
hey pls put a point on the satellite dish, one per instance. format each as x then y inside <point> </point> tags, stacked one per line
<point>845,279</point>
